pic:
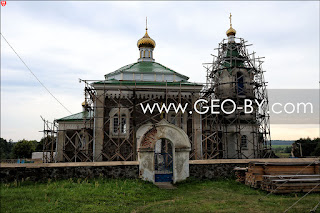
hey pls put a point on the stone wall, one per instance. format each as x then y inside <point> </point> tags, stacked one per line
<point>201,169</point>
<point>42,173</point>
<point>212,171</point>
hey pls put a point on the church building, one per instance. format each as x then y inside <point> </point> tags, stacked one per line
<point>114,124</point>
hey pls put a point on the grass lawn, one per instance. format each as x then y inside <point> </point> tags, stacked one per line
<point>111,195</point>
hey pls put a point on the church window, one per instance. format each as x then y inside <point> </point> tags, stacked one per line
<point>116,123</point>
<point>244,142</point>
<point>240,84</point>
<point>119,122</point>
<point>123,127</point>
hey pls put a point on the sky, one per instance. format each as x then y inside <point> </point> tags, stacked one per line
<point>62,41</point>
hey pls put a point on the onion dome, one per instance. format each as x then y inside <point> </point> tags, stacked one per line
<point>146,41</point>
<point>231,31</point>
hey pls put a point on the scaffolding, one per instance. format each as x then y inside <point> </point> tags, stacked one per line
<point>49,141</point>
<point>122,105</point>
<point>78,143</point>
<point>236,75</point>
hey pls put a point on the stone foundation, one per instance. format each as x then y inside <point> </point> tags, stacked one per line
<point>201,169</point>
<point>212,171</point>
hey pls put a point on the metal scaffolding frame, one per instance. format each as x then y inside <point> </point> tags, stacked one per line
<point>50,141</point>
<point>217,128</point>
<point>118,147</point>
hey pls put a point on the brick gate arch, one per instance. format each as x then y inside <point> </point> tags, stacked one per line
<point>148,135</point>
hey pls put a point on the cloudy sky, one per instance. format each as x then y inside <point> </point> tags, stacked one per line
<point>64,41</point>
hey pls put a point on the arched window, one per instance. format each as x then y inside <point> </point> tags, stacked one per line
<point>123,126</point>
<point>116,124</point>
<point>240,84</point>
<point>244,142</point>
<point>119,122</point>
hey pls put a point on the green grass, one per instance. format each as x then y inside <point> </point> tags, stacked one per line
<point>282,155</point>
<point>111,195</point>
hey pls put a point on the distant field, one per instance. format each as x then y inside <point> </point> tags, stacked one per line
<point>280,146</point>
<point>281,142</point>
<point>110,195</point>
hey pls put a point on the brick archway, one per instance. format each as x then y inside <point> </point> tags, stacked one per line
<point>148,135</point>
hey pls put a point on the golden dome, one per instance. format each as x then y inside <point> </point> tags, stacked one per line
<point>146,41</point>
<point>231,31</point>
<point>84,103</point>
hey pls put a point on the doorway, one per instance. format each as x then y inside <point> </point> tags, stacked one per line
<point>163,161</point>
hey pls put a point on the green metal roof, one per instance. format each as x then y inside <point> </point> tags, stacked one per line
<point>148,83</point>
<point>77,117</point>
<point>237,60</point>
<point>145,67</point>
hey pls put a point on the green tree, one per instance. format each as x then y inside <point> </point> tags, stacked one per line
<point>307,147</point>
<point>23,149</point>
<point>287,149</point>
<point>316,152</point>
<point>5,148</point>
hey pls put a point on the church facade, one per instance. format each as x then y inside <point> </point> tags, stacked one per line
<point>115,125</point>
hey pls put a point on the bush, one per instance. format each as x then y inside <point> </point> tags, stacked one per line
<point>23,149</point>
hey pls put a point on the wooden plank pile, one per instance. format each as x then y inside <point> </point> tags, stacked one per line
<point>254,174</point>
<point>290,183</point>
<point>283,177</point>
<point>240,174</point>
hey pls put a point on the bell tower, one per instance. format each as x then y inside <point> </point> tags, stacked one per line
<point>235,76</point>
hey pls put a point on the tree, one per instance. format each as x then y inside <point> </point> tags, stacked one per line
<point>23,149</point>
<point>316,152</point>
<point>5,148</point>
<point>306,147</point>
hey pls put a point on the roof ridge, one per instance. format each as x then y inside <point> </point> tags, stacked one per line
<point>120,69</point>
<point>175,72</point>
<point>71,116</point>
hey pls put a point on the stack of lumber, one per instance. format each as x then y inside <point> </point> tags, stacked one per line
<point>240,174</point>
<point>290,183</point>
<point>285,177</point>
<point>307,168</point>
<point>254,174</point>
